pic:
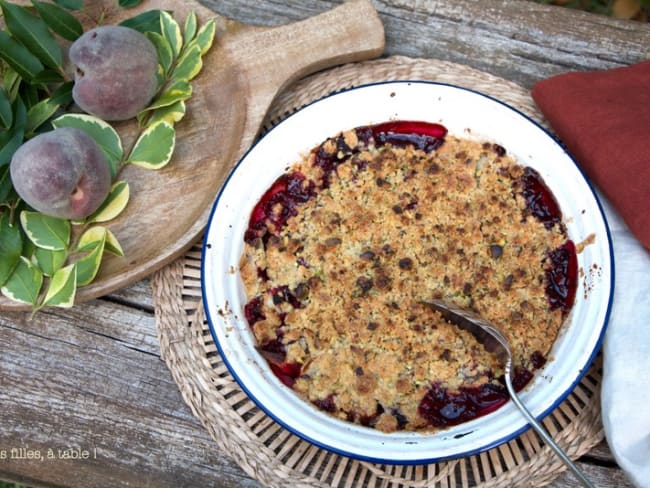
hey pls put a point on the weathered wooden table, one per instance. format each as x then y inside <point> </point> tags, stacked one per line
<point>89,384</point>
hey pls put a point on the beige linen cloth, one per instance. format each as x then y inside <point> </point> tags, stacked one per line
<point>625,393</point>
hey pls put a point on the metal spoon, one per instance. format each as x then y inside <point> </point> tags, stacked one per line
<point>494,341</point>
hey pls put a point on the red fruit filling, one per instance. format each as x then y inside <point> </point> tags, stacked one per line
<point>540,201</point>
<point>562,277</point>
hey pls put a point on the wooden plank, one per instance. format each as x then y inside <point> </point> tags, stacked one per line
<point>100,386</point>
<point>600,476</point>
<point>601,454</point>
<point>91,379</point>
<point>137,295</point>
<point>518,40</point>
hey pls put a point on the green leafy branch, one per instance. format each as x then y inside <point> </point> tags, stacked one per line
<point>43,259</point>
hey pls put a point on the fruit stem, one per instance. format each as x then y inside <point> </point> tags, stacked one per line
<point>12,211</point>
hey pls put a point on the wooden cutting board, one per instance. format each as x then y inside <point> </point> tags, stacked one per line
<point>242,73</point>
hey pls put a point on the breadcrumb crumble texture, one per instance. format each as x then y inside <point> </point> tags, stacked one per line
<point>393,227</point>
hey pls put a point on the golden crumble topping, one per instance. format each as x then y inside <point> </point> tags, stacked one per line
<point>344,248</point>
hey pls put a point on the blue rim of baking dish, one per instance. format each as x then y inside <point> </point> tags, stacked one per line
<point>514,434</point>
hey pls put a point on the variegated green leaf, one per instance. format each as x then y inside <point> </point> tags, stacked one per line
<point>103,133</point>
<point>164,50</point>
<point>88,265</point>
<point>205,36</point>
<point>33,33</point>
<point>24,285</point>
<point>62,288</point>
<point>91,237</point>
<point>154,148</point>
<point>160,76</point>
<point>46,232</point>
<point>171,31</point>
<point>11,246</point>
<point>179,91</point>
<point>49,261</point>
<point>112,244</point>
<point>114,203</point>
<point>189,65</point>
<point>170,114</point>
<point>179,88</point>
<point>189,30</point>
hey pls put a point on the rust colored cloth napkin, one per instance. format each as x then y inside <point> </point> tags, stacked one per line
<point>603,119</point>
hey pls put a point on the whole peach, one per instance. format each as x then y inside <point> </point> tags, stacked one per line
<point>62,173</point>
<point>116,72</point>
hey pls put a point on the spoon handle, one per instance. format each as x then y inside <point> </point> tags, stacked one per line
<point>537,426</point>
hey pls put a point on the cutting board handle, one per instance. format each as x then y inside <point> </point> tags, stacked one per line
<point>274,57</point>
<point>350,32</point>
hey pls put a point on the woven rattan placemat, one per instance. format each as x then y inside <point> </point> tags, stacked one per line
<point>274,456</point>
